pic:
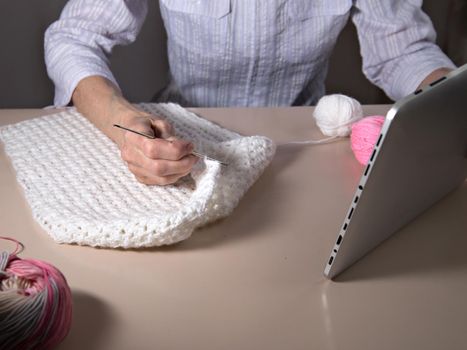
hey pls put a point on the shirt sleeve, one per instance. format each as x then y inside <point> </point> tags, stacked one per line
<point>78,44</point>
<point>397,41</point>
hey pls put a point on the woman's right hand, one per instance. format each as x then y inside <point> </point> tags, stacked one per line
<point>159,161</point>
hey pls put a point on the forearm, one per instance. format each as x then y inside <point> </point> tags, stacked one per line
<point>101,102</point>
<point>433,76</point>
<point>398,45</point>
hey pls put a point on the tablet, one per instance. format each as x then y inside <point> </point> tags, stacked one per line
<point>419,157</point>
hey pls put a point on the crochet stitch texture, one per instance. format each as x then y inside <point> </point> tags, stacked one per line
<point>80,191</point>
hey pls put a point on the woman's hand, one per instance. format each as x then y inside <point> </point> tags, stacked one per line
<point>159,161</point>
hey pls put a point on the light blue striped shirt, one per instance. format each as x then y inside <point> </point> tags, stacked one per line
<point>248,52</point>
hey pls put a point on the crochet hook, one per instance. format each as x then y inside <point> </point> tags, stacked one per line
<point>195,153</point>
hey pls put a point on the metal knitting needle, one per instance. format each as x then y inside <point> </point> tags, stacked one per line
<point>197,154</point>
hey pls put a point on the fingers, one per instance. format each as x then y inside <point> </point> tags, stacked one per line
<point>158,167</point>
<point>159,161</point>
<point>158,172</point>
<point>151,179</point>
<point>163,181</point>
<point>163,129</point>
<point>151,126</point>
<point>164,146</point>
<point>169,149</point>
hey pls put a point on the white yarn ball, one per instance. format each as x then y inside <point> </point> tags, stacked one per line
<point>336,113</point>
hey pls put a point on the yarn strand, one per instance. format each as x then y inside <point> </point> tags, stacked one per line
<point>19,246</point>
<point>339,116</point>
<point>310,142</point>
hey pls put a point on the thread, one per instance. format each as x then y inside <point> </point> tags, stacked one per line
<point>35,302</point>
<point>339,116</point>
<point>364,136</point>
<point>334,115</point>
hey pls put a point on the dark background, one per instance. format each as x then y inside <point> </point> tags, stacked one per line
<point>141,68</point>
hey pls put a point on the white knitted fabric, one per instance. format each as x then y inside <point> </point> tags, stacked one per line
<point>81,192</point>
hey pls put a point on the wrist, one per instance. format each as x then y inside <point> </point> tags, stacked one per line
<point>127,116</point>
<point>433,76</point>
<point>102,103</point>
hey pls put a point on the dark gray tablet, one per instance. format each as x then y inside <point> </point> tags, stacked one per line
<point>420,156</point>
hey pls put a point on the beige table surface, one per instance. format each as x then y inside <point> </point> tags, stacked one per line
<point>254,280</point>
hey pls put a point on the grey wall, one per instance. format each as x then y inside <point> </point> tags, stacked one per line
<point>23,81</point>
<point>141,68</point>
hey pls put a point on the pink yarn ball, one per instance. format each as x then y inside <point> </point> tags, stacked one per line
<point>364,136</point>
<point>35,303</point>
